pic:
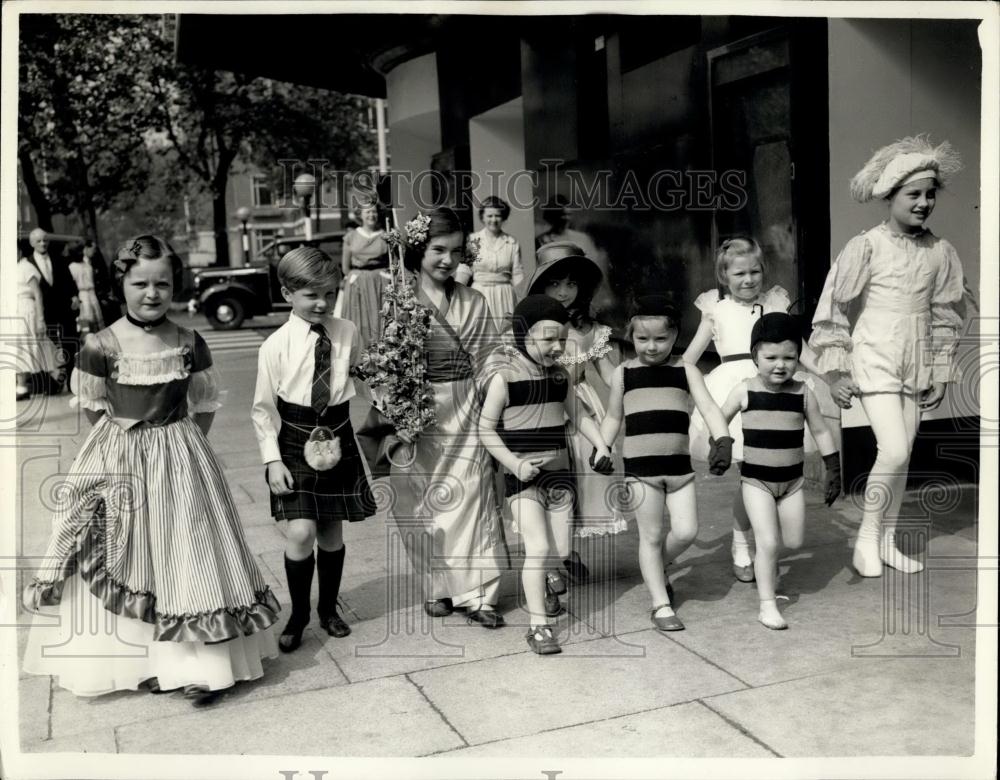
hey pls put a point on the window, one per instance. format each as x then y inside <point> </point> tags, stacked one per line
<point>262,191</point>
<point>261,238</point>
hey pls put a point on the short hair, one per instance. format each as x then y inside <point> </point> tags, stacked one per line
<point>307,266</point>
<point>443,222</point>
<point>630,328</point>
<point>732,248</point>
<point>145,247</point>
<point>493,202</point>
<point>579,309</point>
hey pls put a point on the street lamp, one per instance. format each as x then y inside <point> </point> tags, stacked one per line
<point>243,214</point>
<point>305,187</point>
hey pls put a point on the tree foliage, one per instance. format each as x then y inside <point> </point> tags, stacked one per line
<point>105,111</point>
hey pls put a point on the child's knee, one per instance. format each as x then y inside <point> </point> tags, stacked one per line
<point>892,456</point>
<point>301,535</point>
<point>684,533</point>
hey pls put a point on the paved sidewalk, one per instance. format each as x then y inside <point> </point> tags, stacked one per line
<point>869,666</point>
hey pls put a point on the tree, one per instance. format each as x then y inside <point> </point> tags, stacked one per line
<point>81,115</point>
<point>213,118</point>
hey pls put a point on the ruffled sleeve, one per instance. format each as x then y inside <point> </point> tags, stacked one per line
<point>831,334</point>
<point>203,389</point>
<point>948,306</point>
<point>706,303</point>
<point>92,376</point>
<point>777,299</point>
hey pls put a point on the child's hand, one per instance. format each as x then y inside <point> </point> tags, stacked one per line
<point>842,390</point>
<point>720,454</point>
<point>834,480</point>
<point>529,468</point>
<point>932,397</point>
<point>279,478</point>
<point>601,461</point>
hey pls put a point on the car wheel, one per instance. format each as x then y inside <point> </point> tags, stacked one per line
<point>226,313</point>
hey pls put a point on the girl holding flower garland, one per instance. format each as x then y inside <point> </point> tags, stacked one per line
<point>443,482</point>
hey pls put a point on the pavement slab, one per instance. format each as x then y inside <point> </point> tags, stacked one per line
<point>100,740</point>
<point>309,668</point>
<point>34,703</point>
<point>689,730</point>
<point>893,708</point>
<point>515,695</point>
<point>377,718</point>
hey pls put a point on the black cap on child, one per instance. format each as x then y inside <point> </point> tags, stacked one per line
<point>775,328</point>
<point>656,306</point>
<point>532,309</point>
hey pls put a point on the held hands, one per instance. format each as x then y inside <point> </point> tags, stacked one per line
<point>720,454</point>
<point>842,390</point>
<point>932,397</point>
<point>601,461</point>
<point>279,478</point>
<point>834,481</point>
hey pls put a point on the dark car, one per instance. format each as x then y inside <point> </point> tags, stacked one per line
<point>228,296</point>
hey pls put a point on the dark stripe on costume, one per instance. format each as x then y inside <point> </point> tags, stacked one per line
<point>656,377</point>
<point>523,392</point>
<point>536,439</point>
<point>773,439</point>
<point>775,402</point>
<point>658,465</point>
<point>660,421</point>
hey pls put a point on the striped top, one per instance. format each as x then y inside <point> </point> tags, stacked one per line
<point>657,406</point>
<point>773,432</point>
<point>534,419</point>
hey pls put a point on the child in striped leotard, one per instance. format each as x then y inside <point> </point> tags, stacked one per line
<point>653,394</point>
<point>523,426</point>
<point>774,409</point>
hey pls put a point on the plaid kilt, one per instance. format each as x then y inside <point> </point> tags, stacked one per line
<point>342,493</point>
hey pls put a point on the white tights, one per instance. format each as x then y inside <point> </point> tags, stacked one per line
<point>894,419</point>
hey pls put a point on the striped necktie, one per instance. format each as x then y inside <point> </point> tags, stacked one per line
<point>321,372</point>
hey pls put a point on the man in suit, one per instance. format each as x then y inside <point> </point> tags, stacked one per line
<point>60,304</point>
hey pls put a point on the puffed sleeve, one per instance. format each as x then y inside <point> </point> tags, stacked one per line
<point>831,334</point>
<point>91,375</point>
<point>203,390</point>
<point>948,306</point>
<point>777,299</point>
<point>706,303</point>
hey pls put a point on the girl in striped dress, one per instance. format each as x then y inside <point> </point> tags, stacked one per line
<point>523,426</point>
<point>774,408</point>
<point>652,394</point>
<point>147,569</point>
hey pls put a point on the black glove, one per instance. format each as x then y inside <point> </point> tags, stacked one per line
<point>720,454</point>
<point>604,466</point>
<point>834,481</point>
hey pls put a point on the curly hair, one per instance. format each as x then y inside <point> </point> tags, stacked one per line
<point>493,202</point>
<point>144,247</point>
<point>443,222</point>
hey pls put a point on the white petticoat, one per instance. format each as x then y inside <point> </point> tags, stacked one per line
<point>92,651</point>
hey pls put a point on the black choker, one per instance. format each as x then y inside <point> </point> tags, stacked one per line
<point>145,324</point>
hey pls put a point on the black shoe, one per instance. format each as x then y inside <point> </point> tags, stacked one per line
<point>291,638</point>
<point>554,583</point>
<point>200,696</point>
<point>152,685</point>
<point>335,626</point>
<point>576,569</point>
<point>487,618</point>
<point>553,607</point>
<point>670,589</point>
<point>439,607</point>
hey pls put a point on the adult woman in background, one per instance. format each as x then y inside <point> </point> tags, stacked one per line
<point>496,272</point>
<point>365,260</point>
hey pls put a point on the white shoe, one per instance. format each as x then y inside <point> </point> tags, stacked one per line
<point>891,556</point>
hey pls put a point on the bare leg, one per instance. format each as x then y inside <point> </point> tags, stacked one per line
<point>531,519</point>
<point>763,514</point>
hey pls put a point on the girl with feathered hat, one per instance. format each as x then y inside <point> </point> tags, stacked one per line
<point>887,326</point>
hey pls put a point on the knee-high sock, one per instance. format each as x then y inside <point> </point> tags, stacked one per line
<point>299,575</point>
<point>330,568</point>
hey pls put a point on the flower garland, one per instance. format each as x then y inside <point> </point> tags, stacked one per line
<point>472,249</point>
<point>395,365</point>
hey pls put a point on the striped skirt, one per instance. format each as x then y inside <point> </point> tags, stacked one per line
<point>147,529</point>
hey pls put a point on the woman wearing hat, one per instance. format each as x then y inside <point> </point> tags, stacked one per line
<point>566,274</point>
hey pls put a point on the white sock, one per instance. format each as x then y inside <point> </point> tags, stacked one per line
<point>741,547</point>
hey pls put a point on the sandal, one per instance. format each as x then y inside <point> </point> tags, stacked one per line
<point>439,607</point>
<point>670,623</point>
<point>200,695</point>
<point>542,641</point>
